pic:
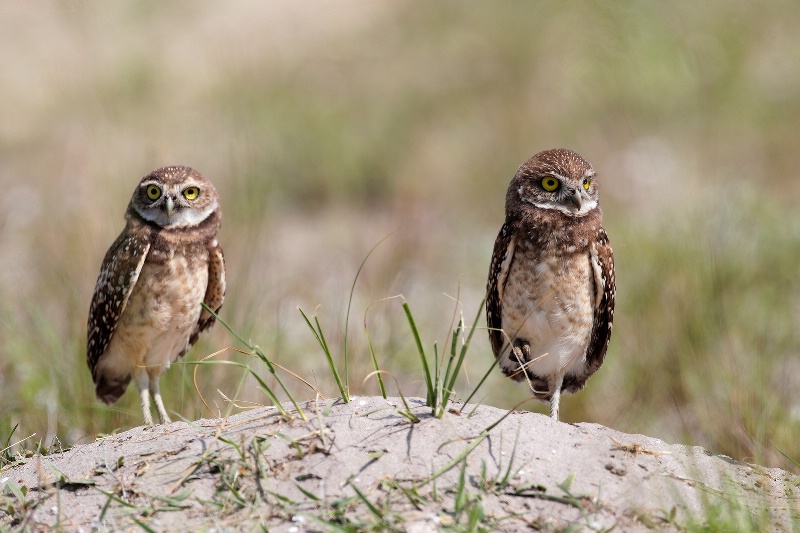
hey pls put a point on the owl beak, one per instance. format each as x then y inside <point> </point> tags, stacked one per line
<point>575,198</point>
<point>170,205</point>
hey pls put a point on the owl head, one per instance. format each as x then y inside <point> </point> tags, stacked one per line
<point>174,197</point>
<point>558,179</point>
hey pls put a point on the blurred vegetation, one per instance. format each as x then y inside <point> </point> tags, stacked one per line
<point>327,127</point>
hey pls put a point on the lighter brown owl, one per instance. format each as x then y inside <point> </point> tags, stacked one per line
<point>551,288</point>
<point>146,309</point>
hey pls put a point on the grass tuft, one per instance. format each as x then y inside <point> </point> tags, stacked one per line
<point>441,385</point>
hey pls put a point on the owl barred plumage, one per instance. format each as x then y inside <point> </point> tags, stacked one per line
<point>146,309</point>
<point>551,287</point>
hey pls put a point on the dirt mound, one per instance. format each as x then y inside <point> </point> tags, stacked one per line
<point>365,465</point>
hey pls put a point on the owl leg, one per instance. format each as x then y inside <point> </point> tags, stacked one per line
<point>555,385</point>
<point>155,390</point>
<point>142,380</point>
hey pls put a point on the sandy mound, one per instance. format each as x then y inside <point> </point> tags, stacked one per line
<point>364,465</point>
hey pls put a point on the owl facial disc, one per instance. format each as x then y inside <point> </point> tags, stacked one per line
<point>172,207</point>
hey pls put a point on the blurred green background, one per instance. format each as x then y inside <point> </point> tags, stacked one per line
<point>328,126</point>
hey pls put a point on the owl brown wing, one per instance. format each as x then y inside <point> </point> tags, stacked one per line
<point>215,292</point>
<point>602,260</point>
<point>502,257</point>
<point>118,275</point>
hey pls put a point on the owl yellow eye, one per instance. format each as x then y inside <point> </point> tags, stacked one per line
<point>153,192</point>
<point>586,183</point>
<point>549,183</point>
<point>191,193</point>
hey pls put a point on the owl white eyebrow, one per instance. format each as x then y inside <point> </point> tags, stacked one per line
<point>556,174</point>
<point>188,184</point>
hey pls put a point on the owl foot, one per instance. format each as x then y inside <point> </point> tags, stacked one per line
<point>149,386</point>
<point>155,391</point>
<point>521,353</point>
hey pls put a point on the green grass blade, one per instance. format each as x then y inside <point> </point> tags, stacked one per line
<point>15,489</point>
<point>462,355</point>
<point>308,494</point>
<point>265,388</point>
<point>114,497</point>
<point>277,377</point>
<point>142,525</point>
<point>444,391</point>
<point>5,453</point>
<point>258,353</point>
<point>460,457</point>
<point>453,344</point>
<point>225,325</point>
<point>509,473</point>
<point>316,330</point>
<point>425,368</point>
<point>461,494</point>
<point>375,362</point>
<point>371,506</point>
<point>793,461</point>
<point>474,444</point>
<point>480,383</point>
<point>344,390</point>
<point>437,382</point>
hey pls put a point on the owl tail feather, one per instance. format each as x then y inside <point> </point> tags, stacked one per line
<point>109,390</point>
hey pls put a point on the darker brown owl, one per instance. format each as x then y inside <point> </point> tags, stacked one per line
<point>551,288</point>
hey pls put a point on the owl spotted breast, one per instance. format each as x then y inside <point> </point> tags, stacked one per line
<point>146,309</point>
<point>551,288</point>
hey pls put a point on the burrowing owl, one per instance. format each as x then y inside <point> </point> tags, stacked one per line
<point>146,311</point>
<point>550,294</point>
